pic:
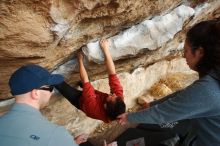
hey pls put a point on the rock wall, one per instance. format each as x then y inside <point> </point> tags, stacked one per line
<point>49,32</point>
<point>146,43</point>
<point>149,34</point>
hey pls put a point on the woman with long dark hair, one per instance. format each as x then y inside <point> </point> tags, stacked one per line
<point>199,102</point>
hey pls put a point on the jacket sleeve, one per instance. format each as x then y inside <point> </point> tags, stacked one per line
<point>192,102</point>
<point>115,85</point>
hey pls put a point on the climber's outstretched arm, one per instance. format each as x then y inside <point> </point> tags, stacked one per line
<point>104,44</point>
<point>83,74</point>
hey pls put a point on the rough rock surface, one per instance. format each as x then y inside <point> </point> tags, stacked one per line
<point>50,32</point>
<point>149,34</point>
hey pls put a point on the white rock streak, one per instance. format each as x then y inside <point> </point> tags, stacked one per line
<point>60,29</point>
<point>150,34</point>
<point>66,68</point>
<point>61,25</point>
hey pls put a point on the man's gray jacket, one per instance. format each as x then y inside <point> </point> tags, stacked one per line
<point>24,125</point>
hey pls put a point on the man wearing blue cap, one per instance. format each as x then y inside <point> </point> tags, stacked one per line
<point>23,125</point>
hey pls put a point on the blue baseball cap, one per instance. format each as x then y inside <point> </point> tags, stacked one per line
<point>30,77</point>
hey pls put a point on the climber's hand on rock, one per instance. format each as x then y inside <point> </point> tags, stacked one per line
<point>104,44</point>
<point>80,56</point>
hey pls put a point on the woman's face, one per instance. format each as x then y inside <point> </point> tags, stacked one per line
<point>192,59</point>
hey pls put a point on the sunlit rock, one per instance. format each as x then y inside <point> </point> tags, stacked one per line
<point>144,99</point>
<point>160,90</point>
<point>149,34</point>
<point>49,33</point>
<point>136,83</point>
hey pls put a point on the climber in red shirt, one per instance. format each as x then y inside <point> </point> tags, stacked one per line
<point>93,103</point>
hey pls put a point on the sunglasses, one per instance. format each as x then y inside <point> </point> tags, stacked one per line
<point>47,88</point>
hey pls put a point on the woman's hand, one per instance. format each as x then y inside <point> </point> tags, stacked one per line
<point>123,118</point>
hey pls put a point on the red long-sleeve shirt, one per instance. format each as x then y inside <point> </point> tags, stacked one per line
<point>92,101</point>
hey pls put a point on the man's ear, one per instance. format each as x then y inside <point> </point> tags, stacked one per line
<point>35,94</point>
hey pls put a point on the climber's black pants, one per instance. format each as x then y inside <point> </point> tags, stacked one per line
<point>159,134</point>
<point>70,93</point>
